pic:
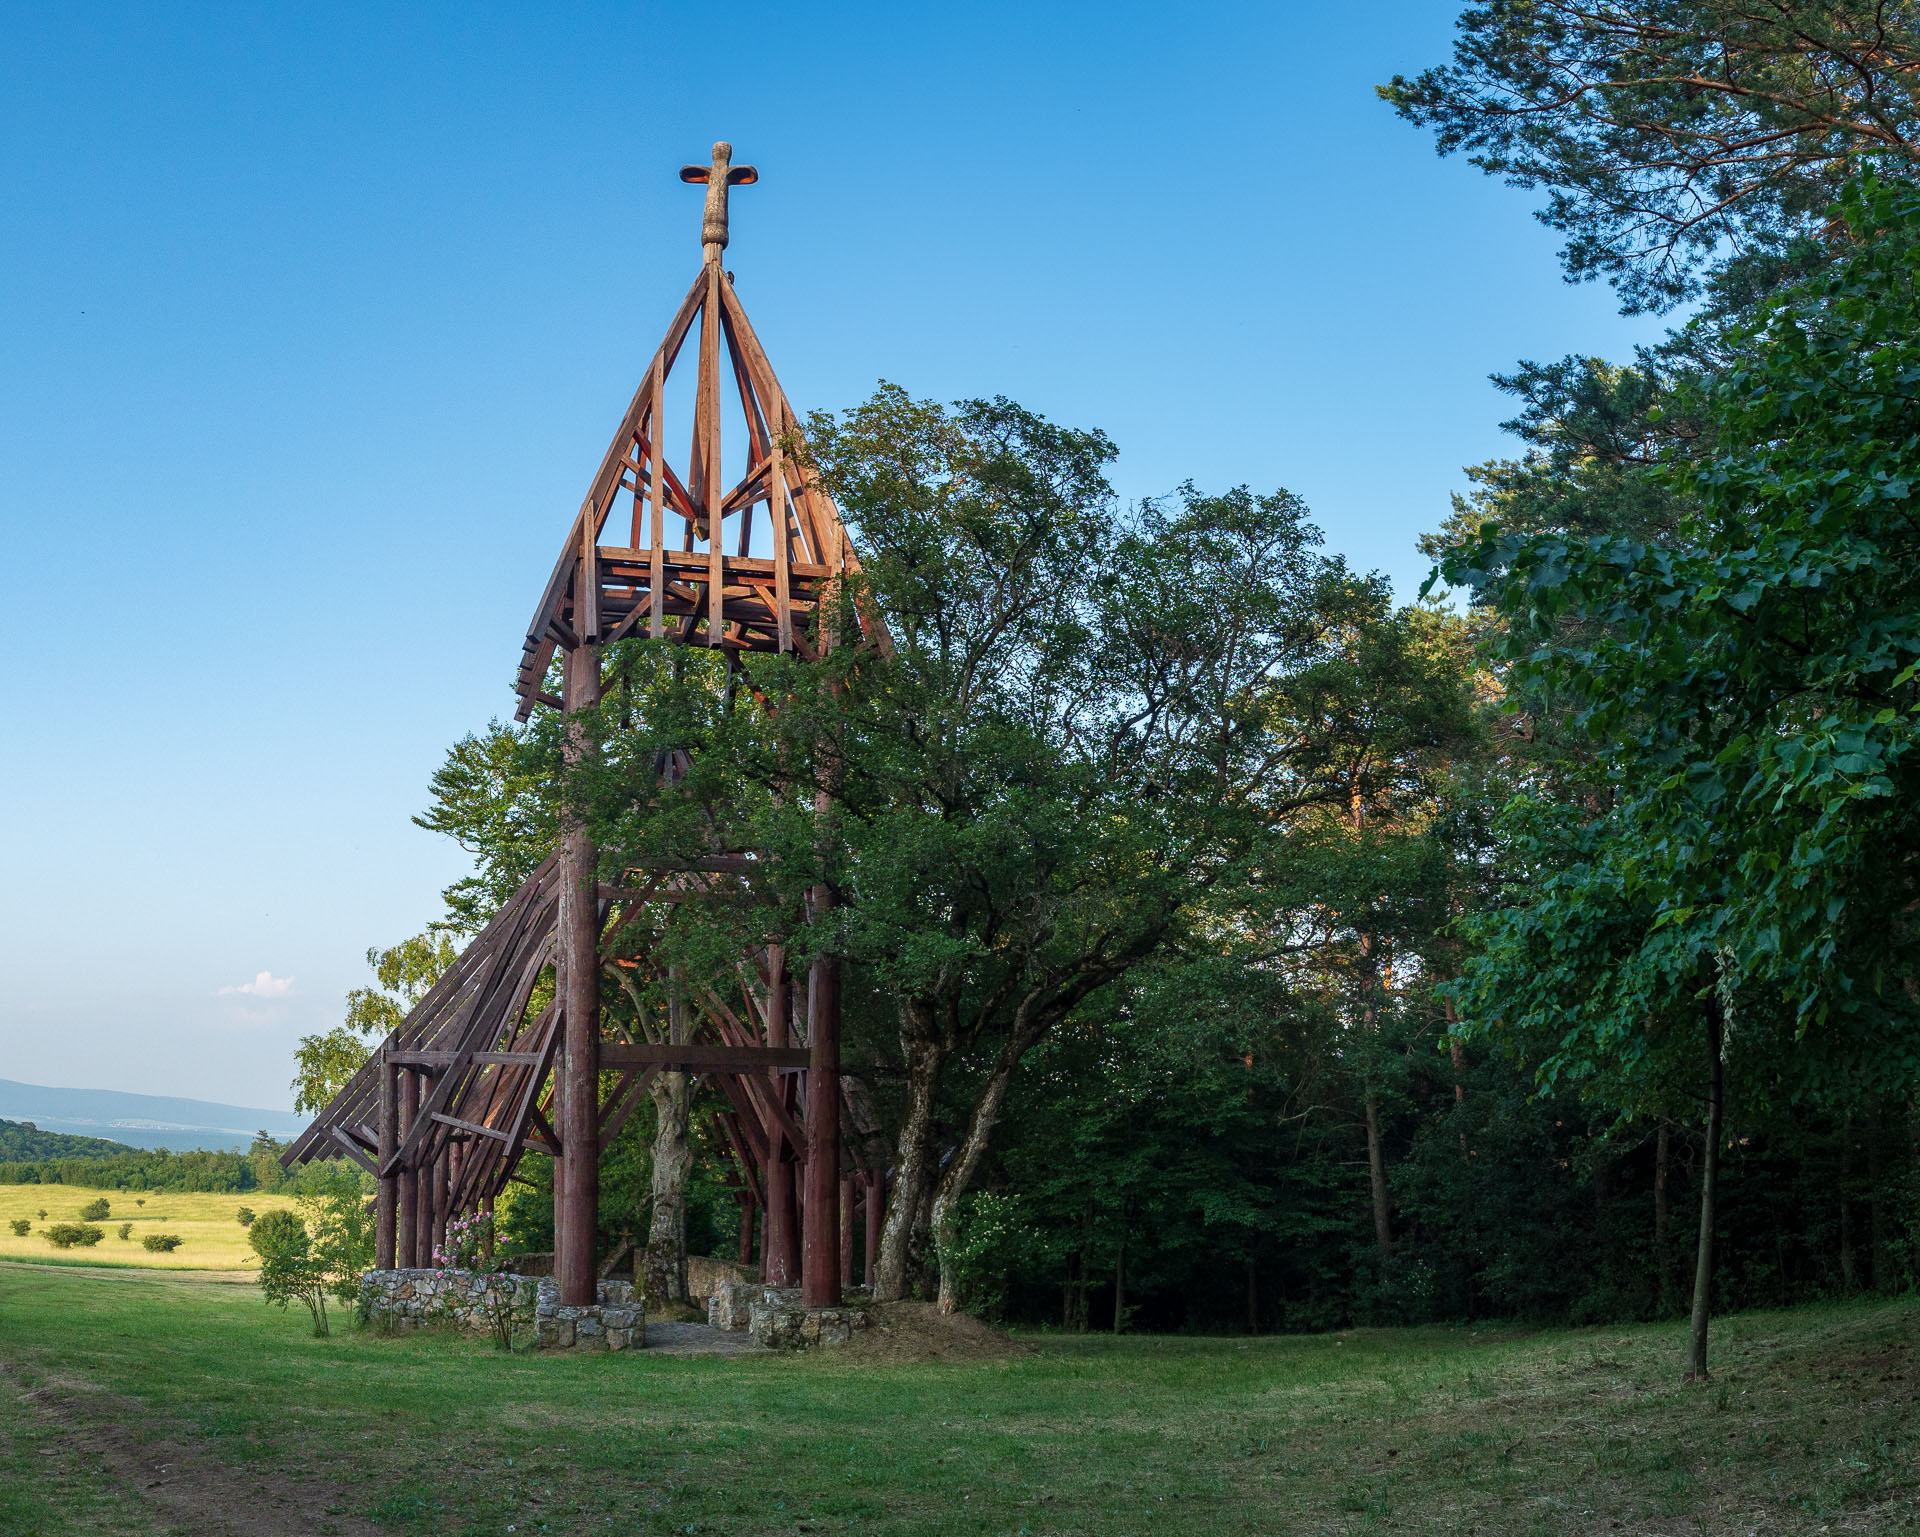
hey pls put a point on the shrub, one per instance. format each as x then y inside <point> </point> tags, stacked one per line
<point>160,1243</point>
<point>21,1226</point>
<point>244,1216</point>
<point>276,1232</point>
<point>126,1231</point>
<point>289,1269</point>
<point>43,1214</point>
<point>64,1235</point>
<point>141,1201</point>
<point>96,1211</point>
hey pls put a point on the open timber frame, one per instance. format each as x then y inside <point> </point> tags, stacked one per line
<point>473,1079</point>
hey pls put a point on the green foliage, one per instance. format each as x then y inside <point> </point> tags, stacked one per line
<point>1672,138</point>
<point>125,1231</point>
<point>158,1169</point>
<point>23,1225</point>
<point>278,1230</point>
<point>245,1216</point>
<point>22,1141</point>
<point>96,1210</point>
<point>65,1235</point>
<point>289,1269</point>
<point>1749,685</point>
<point>405,974</point>
<point>493,796</point>
<point>160,1243</point>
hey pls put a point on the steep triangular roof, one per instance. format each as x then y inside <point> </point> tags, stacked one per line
<point>737,557</point>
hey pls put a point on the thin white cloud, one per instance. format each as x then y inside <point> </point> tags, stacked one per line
<point>266,985</point>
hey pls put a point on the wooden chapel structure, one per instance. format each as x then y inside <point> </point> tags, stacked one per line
<point>737,553</point>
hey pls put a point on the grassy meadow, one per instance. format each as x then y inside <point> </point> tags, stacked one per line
<point>140,1402</point>
<point>210,1236</point>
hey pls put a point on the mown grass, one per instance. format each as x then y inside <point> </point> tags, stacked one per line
<point>211,1238</point>
<point>1809,1424</point>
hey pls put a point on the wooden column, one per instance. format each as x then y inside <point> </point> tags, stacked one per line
<point>387,1190</point>
<point>747,1212</point>
<point>846,1230</point>
<point>579,1084</point>
<point>876,1212</point>
<point>424,1203</point>
<point>820,1242</point>
<point>407,1191</point>
<point>437,1240</point>
<point>780,1243</point>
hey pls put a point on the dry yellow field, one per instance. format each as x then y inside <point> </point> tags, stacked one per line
<point>210,1236</point>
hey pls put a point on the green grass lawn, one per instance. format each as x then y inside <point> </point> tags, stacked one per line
<point>1809,1425</point>
<point>210,1237</point>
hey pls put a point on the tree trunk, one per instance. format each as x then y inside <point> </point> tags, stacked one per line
<point>1849,1259</point>
<point>665,1277</point>
<point>913,1179</point>
<point>1709,1181</point>
<point>1878,1234</point>
<point>1253,1297</point>
<point>1662,1260</point>
<point>959,1172</point>
<point>1377,1177</point>
<point>1120,1276</point>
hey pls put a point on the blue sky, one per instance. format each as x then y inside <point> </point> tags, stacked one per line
<point>317,322</point>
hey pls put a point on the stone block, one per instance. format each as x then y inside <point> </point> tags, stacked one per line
<point>731,1305</point>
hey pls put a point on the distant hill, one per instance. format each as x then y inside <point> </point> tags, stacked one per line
<point>138,1120</point>
<point>21,1141</point>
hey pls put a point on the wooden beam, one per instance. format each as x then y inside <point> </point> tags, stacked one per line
<point>474,1126</point>
<point>352,1150</point>
<point>706,1058</point>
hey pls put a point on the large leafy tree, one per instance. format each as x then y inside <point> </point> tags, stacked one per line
<point>1087,728</point>
<point>1749,684</point>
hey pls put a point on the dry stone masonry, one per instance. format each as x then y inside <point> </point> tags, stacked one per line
<point>398,1300</point>
<point>777,1319</point>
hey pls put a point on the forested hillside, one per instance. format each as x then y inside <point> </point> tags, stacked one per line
<point>22,1141</point>
<point>123,1168</point>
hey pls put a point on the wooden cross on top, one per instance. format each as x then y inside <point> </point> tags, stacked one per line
<point>719,176</point>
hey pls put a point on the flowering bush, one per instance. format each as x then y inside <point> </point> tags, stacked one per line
<point>468,1246</point>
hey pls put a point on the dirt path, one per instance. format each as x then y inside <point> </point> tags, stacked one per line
<point>178,1486</point>
<point>134,1272</point>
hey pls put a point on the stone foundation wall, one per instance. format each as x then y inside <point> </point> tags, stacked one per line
<point>616,1322</point>
<point>776,1318</point>
<point>706,1276</point>
<point>399,1300</point>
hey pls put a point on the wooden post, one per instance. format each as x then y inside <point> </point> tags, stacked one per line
<point>408,1186</point>
<point>709,492</point>
<point>456,1162</point>
<point>747,1210</point>
<point>656,497</point>
<point>777,505</point>
<point>846,1229</point>
<point>439,1173</point>
<point>388,1189</point>
<point>820,1242</point>
<point>423,1206</point>
<point>579,1085</point>
<point>780,1244</point>
<point>876,1210</point>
